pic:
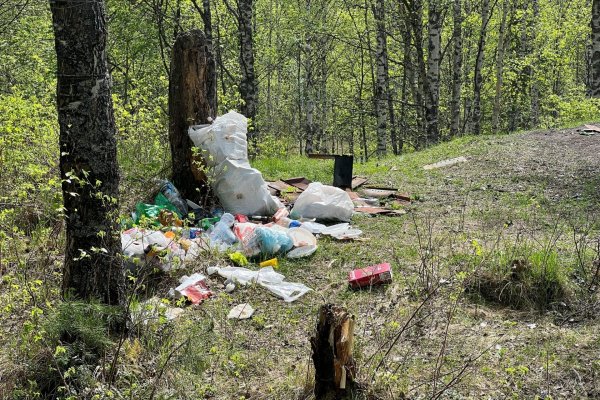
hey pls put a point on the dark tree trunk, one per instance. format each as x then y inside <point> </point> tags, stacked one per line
<point>248,85</point>
<point>192,100</point>
<point>88,148</point>
<point>456,69</point>
<point>335,368</point>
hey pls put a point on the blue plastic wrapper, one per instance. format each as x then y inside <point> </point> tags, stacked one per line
<point>272,241</point>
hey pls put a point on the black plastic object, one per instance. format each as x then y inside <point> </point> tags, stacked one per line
<point>342,171</point>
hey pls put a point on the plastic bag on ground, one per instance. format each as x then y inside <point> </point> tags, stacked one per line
<point>242,190</point>
<point>323,202</point>
<point>288,291</point>
<point>269,241</point>
<point>267,278</point>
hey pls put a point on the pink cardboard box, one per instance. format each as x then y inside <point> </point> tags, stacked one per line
<point>373,275</point>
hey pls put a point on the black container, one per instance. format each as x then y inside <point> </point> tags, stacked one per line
<point>342,172</point>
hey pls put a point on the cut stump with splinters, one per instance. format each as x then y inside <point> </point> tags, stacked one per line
<point>335,368</point>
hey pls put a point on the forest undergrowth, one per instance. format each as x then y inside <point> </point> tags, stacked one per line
<point>496,270</point>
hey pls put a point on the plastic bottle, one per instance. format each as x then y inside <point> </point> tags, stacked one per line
<point>222,230</point>
<point>171,193</point>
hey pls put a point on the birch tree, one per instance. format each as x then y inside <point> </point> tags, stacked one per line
<point>88,152</point>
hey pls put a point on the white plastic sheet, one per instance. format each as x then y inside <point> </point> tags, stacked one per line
<point>324,202</point>
<point>267,278</point>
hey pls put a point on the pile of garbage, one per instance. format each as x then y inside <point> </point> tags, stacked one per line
<point>252,224</point>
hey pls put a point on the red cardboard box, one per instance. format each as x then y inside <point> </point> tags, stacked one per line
<point>373,275</point>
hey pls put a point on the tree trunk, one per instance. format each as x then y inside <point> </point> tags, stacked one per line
<point>595,50</point>
<point>381,106</point>
<point>535,91</point>
<point>335,368</point>
<point>422,88</point>
<point>248,85</point>
<point>456,69</point>
<point>88,153</point>
<point>478,79</point>
<point>499,68</point>
<point>434,51</point>
<point>192,100</point>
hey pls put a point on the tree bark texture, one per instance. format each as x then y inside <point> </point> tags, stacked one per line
<point>422,87</point>
<point>595,67</point>
<point>335,368</point>
<point>535,91</point>
<point>88,160</point>
<point>434,50</point>
<point>381,106</point>
<point>192,101</point>
<point>478,77</point>
<point>456,68</point>
<point>248,85</point>
<point>499,68</point>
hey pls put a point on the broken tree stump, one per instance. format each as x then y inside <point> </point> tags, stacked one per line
<point>335,368</point>
<point>192,101</point>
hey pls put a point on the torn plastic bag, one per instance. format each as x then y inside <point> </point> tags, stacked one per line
<point>267,278</point>
<point>323,202</point>
<point>244,276</point>
<point>288,291</point>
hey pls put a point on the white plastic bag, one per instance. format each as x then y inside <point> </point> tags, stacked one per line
<point>267,278</point>
<point>239,187</point>
<point>224,139</point>
<point>242,190</point>
<point>324,203</point>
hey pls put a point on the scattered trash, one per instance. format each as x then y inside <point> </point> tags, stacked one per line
<point>238,258</point>
<point>342,231</point>
<point>313,227</point>
<point>370,276</point>
<point>589,130</point>
<point>194,288</point>
<point>446,163</point>
<point>268,241</point>
<point>239,187</point>
<point>270,263</point>
<point>302,237</point>
<point>241,311</point>
<point>267,278</point>
<point>230,287</point>
<point>323,202</point>
<point>303,251</point>
<point>170,192</point>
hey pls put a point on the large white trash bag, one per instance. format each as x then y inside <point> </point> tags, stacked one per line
<point>224,139</point>
<point>240,188</point>
<point>324,202</point>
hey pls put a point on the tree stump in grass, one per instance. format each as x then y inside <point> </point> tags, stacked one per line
<point>335,368</point>
<point>192,101</point>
